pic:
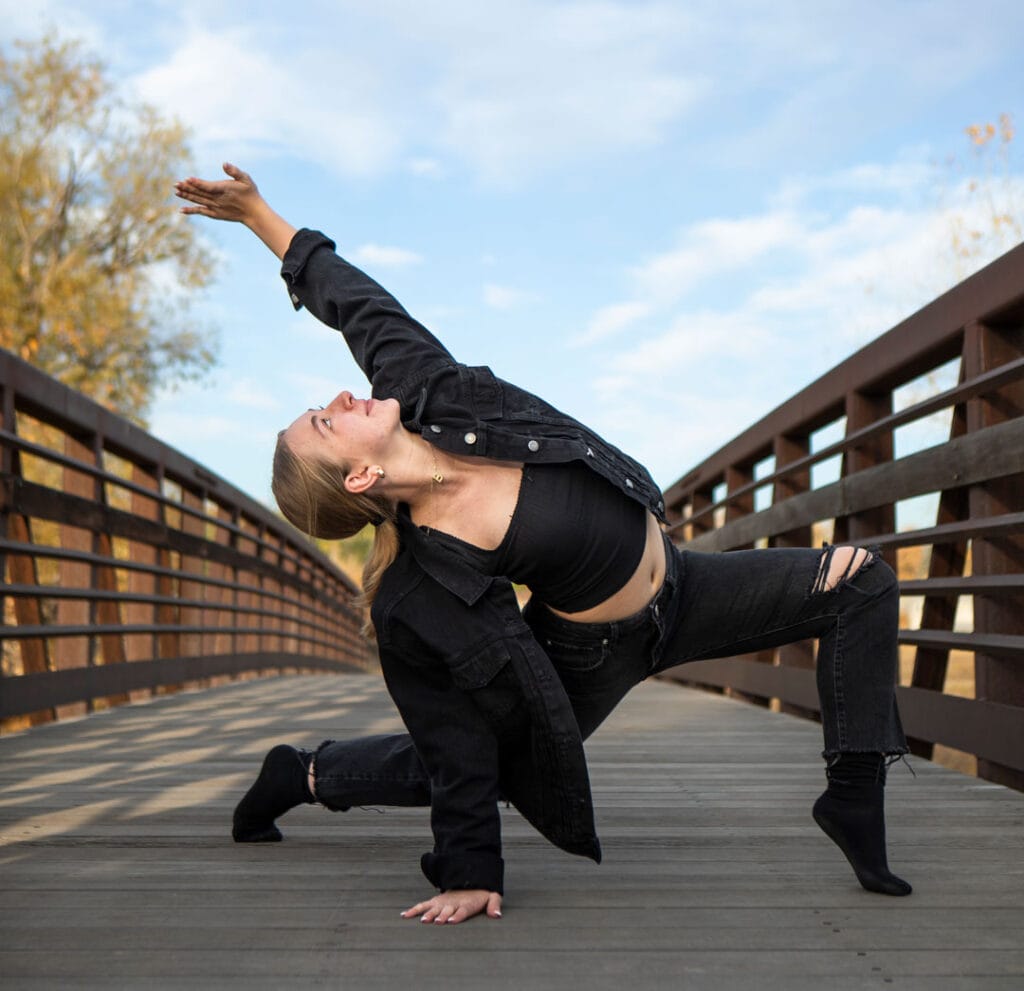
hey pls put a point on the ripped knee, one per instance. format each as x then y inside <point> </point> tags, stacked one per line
<point>839,564</point>
<point>311,778</point>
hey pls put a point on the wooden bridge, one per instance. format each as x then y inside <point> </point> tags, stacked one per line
<point>118,870</point>
<point>132,575</point>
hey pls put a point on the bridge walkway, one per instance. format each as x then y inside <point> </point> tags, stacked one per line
<point>117,870</point>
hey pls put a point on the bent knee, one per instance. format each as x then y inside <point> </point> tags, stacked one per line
<point>839,564</point>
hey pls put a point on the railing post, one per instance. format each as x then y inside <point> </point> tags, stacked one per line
<point>22,567</point>
<point>190,585</point>
<point>787,449</point>
<point>142,582</point>
<point>736,477</point>
<point>75,652</point>
<point>947,559</point>
<point>997,678</point>
<point>105,579</point>
<point>702,499</point>
<point>224,643</point>
<point>863,409</point>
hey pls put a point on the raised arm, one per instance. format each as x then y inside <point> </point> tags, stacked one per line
<point>236,199</point>
<point>395,352</point>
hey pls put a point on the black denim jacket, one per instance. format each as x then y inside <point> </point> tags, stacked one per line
<point>484,707</point>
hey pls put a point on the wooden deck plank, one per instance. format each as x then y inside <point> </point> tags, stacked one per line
<point>116,865</point>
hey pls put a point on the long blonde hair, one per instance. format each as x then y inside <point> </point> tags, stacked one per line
<point>313,497</point>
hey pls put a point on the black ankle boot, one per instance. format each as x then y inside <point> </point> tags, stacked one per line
<point>851,812</point>
<point>282,784</point>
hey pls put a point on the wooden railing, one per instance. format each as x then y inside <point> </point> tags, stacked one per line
<point>129,569</point>
<point>761,489</point>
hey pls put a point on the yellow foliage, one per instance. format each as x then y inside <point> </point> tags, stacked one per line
<point>86,226</point>
<point>991,220</point>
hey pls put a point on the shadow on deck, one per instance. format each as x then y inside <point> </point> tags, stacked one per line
<point>117,868</point>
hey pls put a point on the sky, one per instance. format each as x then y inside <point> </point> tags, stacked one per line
<point>663,217</point>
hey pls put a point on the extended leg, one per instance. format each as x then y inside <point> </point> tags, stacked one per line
<point>281,786</point>
<point>370,770</point>
<point>851,813</point>
<point>374,770</point>
<point>743,601</point>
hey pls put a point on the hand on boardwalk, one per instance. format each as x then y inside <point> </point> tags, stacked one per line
<point>456,906</point>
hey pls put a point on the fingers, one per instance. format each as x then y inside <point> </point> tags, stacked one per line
<point>185,193</point>
<point>455,907</point>
<point>200,187</point>
<point>494,905</point>
<point>416,909</point>
<point>236,173</point>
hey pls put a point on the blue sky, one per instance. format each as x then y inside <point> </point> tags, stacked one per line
<point>665,218</point>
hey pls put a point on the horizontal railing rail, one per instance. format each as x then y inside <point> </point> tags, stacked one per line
<point>959,552</point>
<point>129,569</point>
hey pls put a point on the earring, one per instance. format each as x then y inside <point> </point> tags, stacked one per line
<point>380,472</point>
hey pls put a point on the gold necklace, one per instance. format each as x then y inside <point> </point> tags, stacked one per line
<point>436,479</point>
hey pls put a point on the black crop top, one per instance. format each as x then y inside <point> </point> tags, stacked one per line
<point>574,540</point>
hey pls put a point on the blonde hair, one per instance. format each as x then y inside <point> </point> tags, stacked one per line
<point>313,497</point>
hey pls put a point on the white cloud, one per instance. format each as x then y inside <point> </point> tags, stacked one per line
<point>31,20</point>
<point>557,83</point>
<point>318,388</point>
<point>384,256</point>
<point>505,297</point>
<point>902,178</point>
<point>251,395</point>
<point>843,279</point>
<point>515,88</point>
<point>610,320</point>
<point>236,92</point>
<point>187,428</point>
<point>712,247</point>
<point>707,249</point>
<point>428,168</point>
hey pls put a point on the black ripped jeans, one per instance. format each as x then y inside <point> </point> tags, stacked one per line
<point>711,605</point>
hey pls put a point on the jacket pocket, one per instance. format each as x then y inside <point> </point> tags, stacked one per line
<point>480,667</point>
<point>487,676</point>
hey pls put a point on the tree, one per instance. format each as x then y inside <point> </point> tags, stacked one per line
<point>990,219</point>
<point>95,261</point>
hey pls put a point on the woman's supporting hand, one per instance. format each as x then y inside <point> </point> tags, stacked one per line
<point>236,199</point>
<point>456,906</point>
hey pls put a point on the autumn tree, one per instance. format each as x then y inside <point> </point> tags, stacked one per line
<point>96,264</point>
<point>990,219</point>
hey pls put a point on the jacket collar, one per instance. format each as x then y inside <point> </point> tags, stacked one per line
<point>441,562</point>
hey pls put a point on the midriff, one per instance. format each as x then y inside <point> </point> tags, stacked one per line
<point>637,592</point>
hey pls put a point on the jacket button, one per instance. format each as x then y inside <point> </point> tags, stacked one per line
<point>534,446</point>
<point>435,428</point>
<point>470,438</point>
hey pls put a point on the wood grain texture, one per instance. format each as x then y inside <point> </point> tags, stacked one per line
<point>117,869</point>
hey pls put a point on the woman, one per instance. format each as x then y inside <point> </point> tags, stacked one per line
<point>473,483</point>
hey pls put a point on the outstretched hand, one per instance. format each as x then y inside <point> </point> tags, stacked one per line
<point>235,198</point>
<point>456,906</point>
